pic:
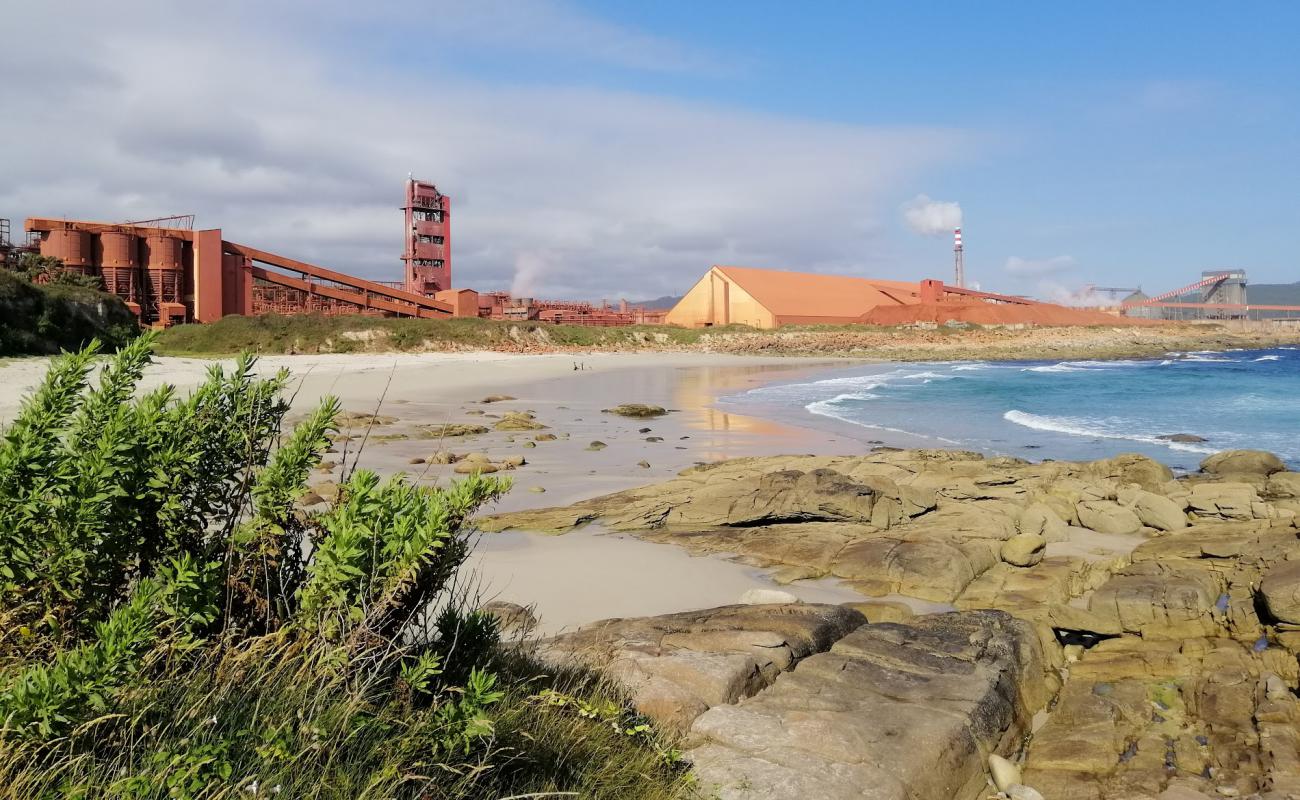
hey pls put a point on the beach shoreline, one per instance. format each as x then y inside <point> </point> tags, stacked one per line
<point>586,576</point>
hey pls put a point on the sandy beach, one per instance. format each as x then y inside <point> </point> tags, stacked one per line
<point>580,577</point>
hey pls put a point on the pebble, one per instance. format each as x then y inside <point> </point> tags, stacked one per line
<point>643,464</point>
<point>1005,774</point>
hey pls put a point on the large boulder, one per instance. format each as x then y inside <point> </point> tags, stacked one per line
<point>1242,462</point>
<point>1283,485</point>
<point>1157,511</point>
<point>675,666</point>
<point>892,712</point>
<point>1133,468</point>
<point>1226,500</point>
<point>1107,516</point>
<point>1023,550</point>
<point>1281,591</point>
<point>1161,603</point>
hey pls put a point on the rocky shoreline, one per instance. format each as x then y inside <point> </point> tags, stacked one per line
<point>1114,631</point>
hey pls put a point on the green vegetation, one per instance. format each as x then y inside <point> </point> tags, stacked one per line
<point>62,314</point>
<point>316,333</point>
<point>174,625</point>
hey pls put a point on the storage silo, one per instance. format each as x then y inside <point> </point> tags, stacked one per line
<point>162,264</point>
<point>74,248</point>
<point>119,262</point>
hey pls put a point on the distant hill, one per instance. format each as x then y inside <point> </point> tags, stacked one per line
<point>665,302</point>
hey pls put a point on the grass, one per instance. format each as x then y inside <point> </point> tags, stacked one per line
<point>314,333</point>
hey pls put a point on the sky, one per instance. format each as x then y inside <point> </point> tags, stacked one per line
<point>616,149</point>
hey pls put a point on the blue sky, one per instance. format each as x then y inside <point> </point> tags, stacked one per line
<point>618,148</point>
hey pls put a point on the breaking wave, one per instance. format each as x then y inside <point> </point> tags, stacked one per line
<point>1093,429</point>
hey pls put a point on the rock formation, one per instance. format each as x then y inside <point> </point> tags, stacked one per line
<point>1157,617</point>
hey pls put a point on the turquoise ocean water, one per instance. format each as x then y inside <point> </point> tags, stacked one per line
<point>1071,410</point>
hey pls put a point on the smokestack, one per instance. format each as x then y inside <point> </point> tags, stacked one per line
<point>959,266</point>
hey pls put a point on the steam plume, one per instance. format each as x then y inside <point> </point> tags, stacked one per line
<point>931,217</point>
<point>529,268</point>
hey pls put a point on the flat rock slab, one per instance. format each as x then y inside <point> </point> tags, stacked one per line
<point>676,666</point>
<point>892,712</point>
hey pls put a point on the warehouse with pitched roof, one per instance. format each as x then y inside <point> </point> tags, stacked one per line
<point>769,298</point>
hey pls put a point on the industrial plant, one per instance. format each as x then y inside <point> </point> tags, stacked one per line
<point>167,273</point>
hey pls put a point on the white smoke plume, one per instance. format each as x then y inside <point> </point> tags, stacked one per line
<point>1084,297</point>
<point>931,217</point>
<point>530,267</point>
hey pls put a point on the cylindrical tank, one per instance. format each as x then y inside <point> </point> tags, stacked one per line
<point>73,248</point>
<point>162,251</point>
<point>119,250</point>
<point>162,260</point>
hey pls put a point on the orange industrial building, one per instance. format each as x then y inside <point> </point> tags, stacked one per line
<point>766,298</point>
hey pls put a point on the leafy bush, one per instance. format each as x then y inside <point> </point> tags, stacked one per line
<point>173,624</point>
<point>44,318</point>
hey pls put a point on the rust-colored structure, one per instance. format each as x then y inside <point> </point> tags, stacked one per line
<point>501,305</point>
<point>170,275</point>
<point>763,298</point>
<point>427,254</point>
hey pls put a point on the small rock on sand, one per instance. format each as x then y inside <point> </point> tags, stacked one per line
<point>597,445</point>
<point>643,464</point>
<point>510,616</point>
<point>416,460</point>
<point>643,430</point>
<point>451,429</point>
<point>496,398</point>
<point>360,419</point>
<point>327,490</point>
<point>519,421</point>
<point>514,461</point>
<point>545,437</point>
<point>473,468</point>
<point>640,410</point>
<point>530,444</point>
<point>758,597</point>
<point>537,489</point>
<point>654,438</point>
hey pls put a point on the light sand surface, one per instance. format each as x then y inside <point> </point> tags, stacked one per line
<point>582,576</point>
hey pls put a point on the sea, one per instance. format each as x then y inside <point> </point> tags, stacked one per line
<point>1064,410</point>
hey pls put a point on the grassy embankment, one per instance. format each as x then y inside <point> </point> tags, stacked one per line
<point>174,625</point>
<point>349,334</point>
<point>38,320</point>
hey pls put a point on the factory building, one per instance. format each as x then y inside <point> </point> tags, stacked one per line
<point>767,298</point>
<point>764,298</point>
<point>427,254</point>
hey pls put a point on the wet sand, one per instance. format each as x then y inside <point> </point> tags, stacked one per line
<point>582,576</point>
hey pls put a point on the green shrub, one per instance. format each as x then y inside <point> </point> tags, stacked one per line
<point>173,625</point>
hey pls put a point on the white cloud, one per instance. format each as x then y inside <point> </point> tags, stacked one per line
<point>293,140</point>
<point>931,217</point>
<point>1039,266</point>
